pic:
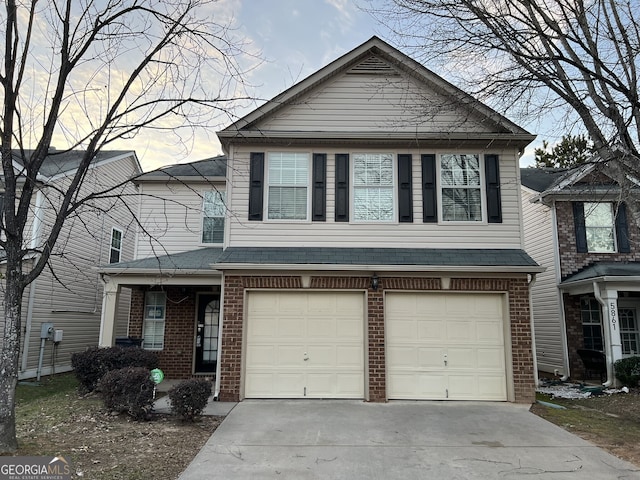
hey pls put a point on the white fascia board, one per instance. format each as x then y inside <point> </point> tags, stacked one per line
<point>156,278</point>
<point>381,268</point>
<point>631,283</point>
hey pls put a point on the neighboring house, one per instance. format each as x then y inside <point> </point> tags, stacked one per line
<point>68,293</point>
<point>372,249</point>
<point>576,225</point>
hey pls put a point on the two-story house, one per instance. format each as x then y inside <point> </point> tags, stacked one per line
<point>373,247</point>
<point>576,226</point>
<point>67,296</point>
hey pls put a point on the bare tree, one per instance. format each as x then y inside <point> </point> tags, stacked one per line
<point>576,59</point>
<point>93,72</point>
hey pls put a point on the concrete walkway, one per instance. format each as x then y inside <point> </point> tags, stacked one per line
<point>336,439</point>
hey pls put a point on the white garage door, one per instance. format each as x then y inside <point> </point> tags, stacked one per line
<point>305,345</point>
<point>445,346</point>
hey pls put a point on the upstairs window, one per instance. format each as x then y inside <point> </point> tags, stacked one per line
<point>213,213</point>
<point>460,180</point>
<point>373,187</point>
<point>288,186</point>
<point>116,246</point>
<point>599,223</point>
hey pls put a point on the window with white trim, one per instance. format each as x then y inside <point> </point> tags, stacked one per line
<point>461,187</point>
<point>115,251</point>
<point>599,224</point>
<point>213,213</point>
<point>288,186</point>
<point>591,323</point>
<point>373,187</point>
<point>629,331</point>
<point>154,319</point>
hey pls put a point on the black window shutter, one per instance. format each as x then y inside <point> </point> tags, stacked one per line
<point>492,174</point>
<point>581,231</point>
<point>342,187</point>
<point>429,189</point>
<point>319,188</point>
<point>405,196</point>
<point>256,185</point>
<point>622,229</point>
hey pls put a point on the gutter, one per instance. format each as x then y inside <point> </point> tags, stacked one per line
<point>495,269</point>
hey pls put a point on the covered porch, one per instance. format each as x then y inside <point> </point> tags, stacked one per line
<point>175,310</point>
<point>602,313</point>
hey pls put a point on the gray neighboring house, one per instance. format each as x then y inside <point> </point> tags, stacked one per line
<point>588,298</point>
<point>68,295</point>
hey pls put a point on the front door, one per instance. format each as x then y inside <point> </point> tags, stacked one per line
<point>207,332</point>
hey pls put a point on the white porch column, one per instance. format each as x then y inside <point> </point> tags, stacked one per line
<point>612,323</point>
<point>110,300</point>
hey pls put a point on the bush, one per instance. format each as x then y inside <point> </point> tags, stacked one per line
<point>128,390</point>
<point>627,371</point>
<point>92,364</point>
<point>189,397</point>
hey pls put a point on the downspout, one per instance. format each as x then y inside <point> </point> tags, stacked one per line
<point>36,230</point>
<point>607,336</point>
<point>536,379</point>
<point>563,320</point>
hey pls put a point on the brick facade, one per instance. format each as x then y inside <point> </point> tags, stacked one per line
<point>516,288</point>
<point>570,260</point>
<point>177,357</point>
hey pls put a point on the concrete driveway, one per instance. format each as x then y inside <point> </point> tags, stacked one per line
<point>335,439</point>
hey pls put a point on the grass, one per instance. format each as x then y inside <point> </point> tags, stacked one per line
<point>28,392</point>
<point>609,421</point>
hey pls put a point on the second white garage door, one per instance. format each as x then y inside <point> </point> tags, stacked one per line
<point>305,345</point>
<point>445,346</point>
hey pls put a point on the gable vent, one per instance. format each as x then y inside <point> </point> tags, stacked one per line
<point>373,66</point>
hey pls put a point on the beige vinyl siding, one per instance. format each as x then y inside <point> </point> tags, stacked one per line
<point>171,216</point>
<point>545,299</point>
<point>365,102</point>
<point>244,233</point>
<point>71,296</point>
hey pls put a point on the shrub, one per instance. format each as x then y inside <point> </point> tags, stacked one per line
<point>92,364</point>
<point>128,390</point>
<point>627,371</point>
<point>189,397</point>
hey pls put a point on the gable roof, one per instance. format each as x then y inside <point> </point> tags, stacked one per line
<point>604,271</point>
<point>208,168</point>
<point>374,57</point>
<point>59,162</point>
<point>540,179</point>
<point>583,182</point>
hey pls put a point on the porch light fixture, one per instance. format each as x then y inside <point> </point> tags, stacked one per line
<point>375,282</point>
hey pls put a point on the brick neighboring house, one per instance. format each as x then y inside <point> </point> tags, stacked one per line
<point>372,248</point>
<point>589,296</point>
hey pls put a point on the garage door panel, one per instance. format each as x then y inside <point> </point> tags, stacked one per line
<point>457,353</point>
<point>326,328</point>
<point>460,331</point>
<point>430,330</point>
<point>490,358</point>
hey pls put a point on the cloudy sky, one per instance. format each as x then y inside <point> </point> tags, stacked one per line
<point>295,38</point>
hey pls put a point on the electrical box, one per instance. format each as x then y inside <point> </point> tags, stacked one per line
<point>46,331</point>
<point>57,336</point>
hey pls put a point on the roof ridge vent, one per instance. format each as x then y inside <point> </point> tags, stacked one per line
<point>373,65</point>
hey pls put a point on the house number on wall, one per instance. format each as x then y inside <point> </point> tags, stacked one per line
<point>613,314</point>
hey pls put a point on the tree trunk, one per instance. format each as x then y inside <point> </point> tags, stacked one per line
<point>10,354</point>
